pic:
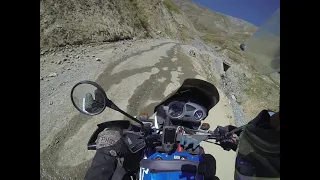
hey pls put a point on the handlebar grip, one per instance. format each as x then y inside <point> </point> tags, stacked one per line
<point>211,137</point>
<point>91,145</point>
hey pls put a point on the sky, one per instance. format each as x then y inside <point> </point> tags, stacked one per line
<point>253,11</point>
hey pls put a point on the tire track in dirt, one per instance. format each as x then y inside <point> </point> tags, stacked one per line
<point>49,157</point>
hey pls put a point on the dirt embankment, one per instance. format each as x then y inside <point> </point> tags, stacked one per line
<point>90,21</point>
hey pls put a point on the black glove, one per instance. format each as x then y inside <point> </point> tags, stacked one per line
<point>99,96</point>
<point>112,151</point>
<point>91,105</point>
<point>228,144</point>
<point>226,140</point>
<point>111,142</point>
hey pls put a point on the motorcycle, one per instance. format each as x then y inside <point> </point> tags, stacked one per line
<point>180,114</point>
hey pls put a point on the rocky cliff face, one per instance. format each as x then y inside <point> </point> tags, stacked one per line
<point>70,22</point>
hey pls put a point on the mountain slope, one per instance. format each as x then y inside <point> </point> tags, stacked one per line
<point>221,32</point>
<point>251,90</point>
<point>70,22</point>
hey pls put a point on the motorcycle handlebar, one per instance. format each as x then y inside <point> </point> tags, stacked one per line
<point>152,138</point>
<point>156,137</point>
<point>92,146</point>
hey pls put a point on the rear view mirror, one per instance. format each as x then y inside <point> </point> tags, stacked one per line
<point>89,98</point>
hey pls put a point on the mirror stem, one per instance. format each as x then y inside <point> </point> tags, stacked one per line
<point>114,107</point>
<point>167,121</point>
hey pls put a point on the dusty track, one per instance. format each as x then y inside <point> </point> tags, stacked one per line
<point>143,75</point>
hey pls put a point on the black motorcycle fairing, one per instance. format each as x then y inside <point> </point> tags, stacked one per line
<point>196,91</point>
<point>187,124</point>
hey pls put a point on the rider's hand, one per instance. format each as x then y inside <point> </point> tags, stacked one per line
<point>186,141</point>
<point>112,152</point>
<point>223,130</point>
<point>111,142</point>
<point>227,142</point>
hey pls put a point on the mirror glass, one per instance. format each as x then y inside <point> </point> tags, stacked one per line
<point>88,98</point>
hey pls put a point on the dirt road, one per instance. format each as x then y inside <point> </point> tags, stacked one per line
<point>221,115</point>
<point>135,77</point>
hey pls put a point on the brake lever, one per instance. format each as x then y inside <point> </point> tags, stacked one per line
<point>204,132</point>
<point>228,134</point>
<point>211,142</point>
<point>132,132</point>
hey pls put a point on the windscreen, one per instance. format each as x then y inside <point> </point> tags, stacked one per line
<point>263,48</point>
<point>195,90</point>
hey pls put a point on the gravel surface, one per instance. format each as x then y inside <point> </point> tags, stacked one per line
<point>136,74</point>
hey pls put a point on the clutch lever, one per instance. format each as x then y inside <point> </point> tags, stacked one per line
<point>228,134</point>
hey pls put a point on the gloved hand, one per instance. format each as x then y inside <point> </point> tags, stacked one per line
<point>111,142</point>
<point>226,141</point>
<point>98,95</point>
<point>113,154</point>
<point>88,101</point>
<point>230,143</point>
<point>186,140</point>
<point>94,105</point>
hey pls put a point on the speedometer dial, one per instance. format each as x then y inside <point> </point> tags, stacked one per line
<point>198,115</point>
<point>175,109</point>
